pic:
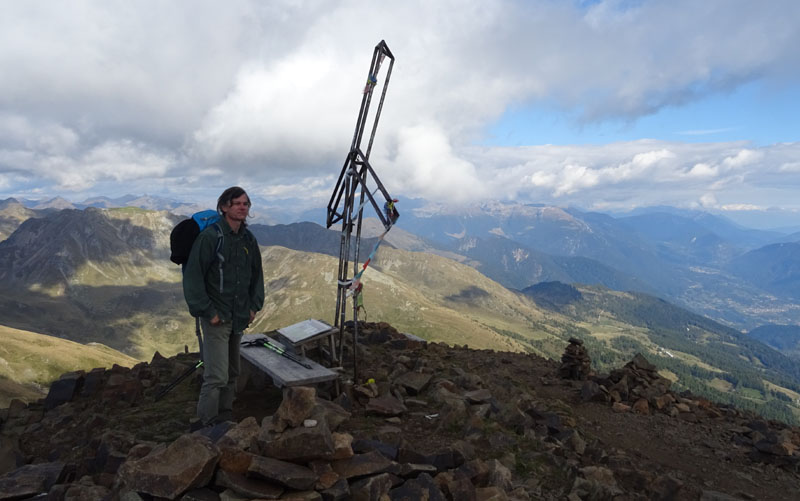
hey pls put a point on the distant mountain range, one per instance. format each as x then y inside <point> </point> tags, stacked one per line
<point>693,258</point>
<point>100,275</point>
<point>700,261</point>
<point>774,268</point>
<point>142,202</point>
<point>103,275</point>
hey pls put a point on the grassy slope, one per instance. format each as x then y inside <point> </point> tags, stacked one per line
<point>418,293</point>
<point>28,359</point>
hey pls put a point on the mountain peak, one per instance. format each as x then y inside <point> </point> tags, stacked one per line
<point>475,424</point>
<point>54,203</point>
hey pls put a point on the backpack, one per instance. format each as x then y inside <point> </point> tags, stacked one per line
<point>184,234</point>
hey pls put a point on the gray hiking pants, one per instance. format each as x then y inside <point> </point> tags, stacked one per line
<point>220,370</point>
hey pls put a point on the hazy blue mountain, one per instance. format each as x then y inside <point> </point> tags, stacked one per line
<point>101,202</point>
<point>402,239</point>
<point>610,241</point>
<point>58,203</point>
<point>147,202</point>
<point>792,237</point>
<point>784,338</point>
<point>555,232</point>
<point>775,268</point>
<point>550,230</point>
<point>106,202</point>
<point>673,254</point>
<point>517,266</point>
<point>508,262</point>
<point>721,226</point>
<point>308,237</point>
<point>683,239</point>
<point>8,202</point>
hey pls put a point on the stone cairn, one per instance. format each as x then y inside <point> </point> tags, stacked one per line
<point>575,362</point>
<point>638,388</point>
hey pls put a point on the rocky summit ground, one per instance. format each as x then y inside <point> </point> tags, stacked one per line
<point>425,421</point>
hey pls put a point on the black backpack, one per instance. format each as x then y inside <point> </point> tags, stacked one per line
<point>183,235</point>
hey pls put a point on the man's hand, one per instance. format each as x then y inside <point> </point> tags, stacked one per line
<point>252,316</point>
<point>215,321</point>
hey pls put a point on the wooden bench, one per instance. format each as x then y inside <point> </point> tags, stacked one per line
<point>284,372</point>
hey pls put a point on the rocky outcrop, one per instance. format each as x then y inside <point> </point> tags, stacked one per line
<point>429,421</point>
<point>639,388</point>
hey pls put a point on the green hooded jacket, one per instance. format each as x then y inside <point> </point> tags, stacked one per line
<point>243,278</point>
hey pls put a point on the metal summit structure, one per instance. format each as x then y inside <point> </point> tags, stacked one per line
<point>353,183</point>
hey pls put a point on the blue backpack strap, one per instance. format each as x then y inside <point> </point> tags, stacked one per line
<point>220,257</point>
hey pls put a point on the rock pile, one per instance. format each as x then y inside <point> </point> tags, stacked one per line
<point>302,451</point>
<point>575,362</point>
<point>297,454</point>
<point>639,388</point>
<point>430,421</point>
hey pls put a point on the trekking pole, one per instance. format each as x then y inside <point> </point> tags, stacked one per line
<point>266,343</point>
<point>175,383</point>
<point>188,371</point>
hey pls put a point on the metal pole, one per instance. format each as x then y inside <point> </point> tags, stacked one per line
<point>355,172</point>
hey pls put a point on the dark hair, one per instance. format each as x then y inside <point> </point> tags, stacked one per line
<point>228,195</point>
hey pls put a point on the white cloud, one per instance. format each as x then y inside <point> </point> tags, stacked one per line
<point>201,94</point>
<point>427,166</point>
<point>575,177</point>
<point>312,189</point>
<point>120,161</point>
<point>639,173</point>
<point>702,170</point>
<point>742,207</point>
<point>742,158</point>
<point>705,132</point>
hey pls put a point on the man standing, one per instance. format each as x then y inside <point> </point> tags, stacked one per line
<point>225,289</point>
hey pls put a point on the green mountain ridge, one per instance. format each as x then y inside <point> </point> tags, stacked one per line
<point>103,276</point>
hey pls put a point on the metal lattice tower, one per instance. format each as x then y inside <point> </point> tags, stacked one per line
<point>353,182</point>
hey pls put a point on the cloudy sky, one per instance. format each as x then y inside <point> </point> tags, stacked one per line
<point>606,105</point>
